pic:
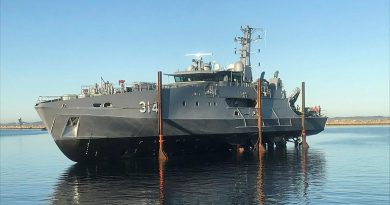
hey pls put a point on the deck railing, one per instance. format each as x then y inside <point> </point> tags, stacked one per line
<point>49,98</point>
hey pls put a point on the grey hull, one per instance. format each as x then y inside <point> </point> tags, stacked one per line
<point>83,131</point>
<point>96,149</point>
<point>110,137</point>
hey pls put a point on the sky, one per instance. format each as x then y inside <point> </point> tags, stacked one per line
<point>50,48</point>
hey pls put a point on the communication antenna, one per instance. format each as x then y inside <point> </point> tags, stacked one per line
<point>235,45</point>
<point>261,37</point>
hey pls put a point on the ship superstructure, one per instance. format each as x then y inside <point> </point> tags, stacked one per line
<point>206,105</point>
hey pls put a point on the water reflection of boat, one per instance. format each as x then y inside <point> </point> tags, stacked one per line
<point>282,176</point>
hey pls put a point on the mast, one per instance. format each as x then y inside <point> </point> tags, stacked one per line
<point>245,56</point>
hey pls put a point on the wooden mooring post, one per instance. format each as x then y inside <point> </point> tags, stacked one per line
<point>303,135</point>
<point>259,119</point>
<point>161,153</point>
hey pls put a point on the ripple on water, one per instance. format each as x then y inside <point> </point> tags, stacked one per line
<point>342,165</point>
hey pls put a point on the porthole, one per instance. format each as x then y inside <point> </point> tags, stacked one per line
<point>197,103</point>
<point>107,104</point>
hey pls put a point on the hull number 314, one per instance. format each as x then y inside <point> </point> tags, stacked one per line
<point>148,107</point>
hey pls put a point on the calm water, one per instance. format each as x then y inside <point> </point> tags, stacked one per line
<point>348,165</point>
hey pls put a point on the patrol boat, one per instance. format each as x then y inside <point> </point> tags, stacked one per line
<point>207,107</point>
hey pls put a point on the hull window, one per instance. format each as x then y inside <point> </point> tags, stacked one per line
<point>97,105</point>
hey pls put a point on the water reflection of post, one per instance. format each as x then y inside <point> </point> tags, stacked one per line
<point>304,172</point>
<point>260,191</point>
<point>161,168</point>
<point>260,147</point>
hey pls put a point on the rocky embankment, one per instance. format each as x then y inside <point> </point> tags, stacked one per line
<point>22,127</point>
<point>358,121</point>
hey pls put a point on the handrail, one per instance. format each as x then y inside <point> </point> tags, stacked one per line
<point>49,98</point>
<point>277,117</point>
<point>239,111</point>
<point>202,84</point>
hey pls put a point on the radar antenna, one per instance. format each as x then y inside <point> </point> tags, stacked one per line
<point>199,55</point>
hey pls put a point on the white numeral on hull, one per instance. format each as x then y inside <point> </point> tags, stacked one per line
<point>145,106</point>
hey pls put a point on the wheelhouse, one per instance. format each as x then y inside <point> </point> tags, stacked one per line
<point>208,76</point>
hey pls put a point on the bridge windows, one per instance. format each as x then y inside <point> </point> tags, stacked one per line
<point>240,102</point>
